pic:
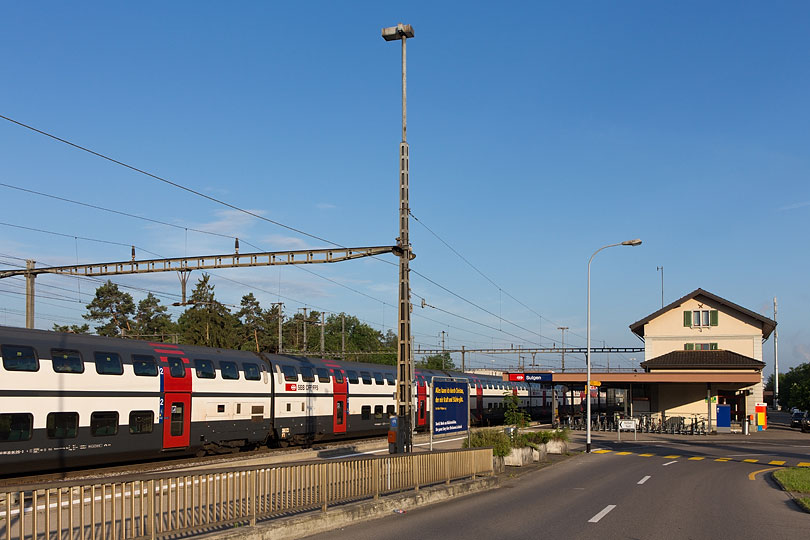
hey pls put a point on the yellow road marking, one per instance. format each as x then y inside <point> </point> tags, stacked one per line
<point>753,475</point>
<point>723,459</point>
<point>695,458</point>
<point>803,464</point>
<point>646,455</point>
<point>623,453</point>
<point>750,460</point>
<point>601,451</point>
<point>776,462</point>
<point>672,456</point>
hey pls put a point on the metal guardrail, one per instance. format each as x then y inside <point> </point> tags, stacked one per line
<point>162,505</point>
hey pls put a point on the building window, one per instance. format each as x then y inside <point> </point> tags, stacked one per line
<point>700,318</point>
<point>700,346</point>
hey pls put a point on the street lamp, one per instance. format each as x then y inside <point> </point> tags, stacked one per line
<point>403,434</point>
<point>636,242</point>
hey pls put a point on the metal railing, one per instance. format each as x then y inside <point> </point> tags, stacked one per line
<point>160,505</point>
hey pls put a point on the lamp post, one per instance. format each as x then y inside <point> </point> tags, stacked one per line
<point>635,242</point>
<point>404,357</point>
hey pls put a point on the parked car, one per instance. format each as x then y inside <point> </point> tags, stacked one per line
<point>805,423</point>
<point>796,419</point>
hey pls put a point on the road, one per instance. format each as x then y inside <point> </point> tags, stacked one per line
<point>656,488</point>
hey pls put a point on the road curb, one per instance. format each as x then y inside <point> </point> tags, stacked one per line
<point>310,523</point>
<point>791,494</point>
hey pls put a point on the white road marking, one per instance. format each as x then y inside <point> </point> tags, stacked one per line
<point>670,462</point>
<point>643,480</point>
<point>603,513</point>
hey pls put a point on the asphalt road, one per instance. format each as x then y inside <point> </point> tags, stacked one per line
<point>656,488</point>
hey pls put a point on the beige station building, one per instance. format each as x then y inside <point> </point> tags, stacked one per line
<point>700,350</point>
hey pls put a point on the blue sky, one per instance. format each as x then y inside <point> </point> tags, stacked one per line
<point>538,133</point>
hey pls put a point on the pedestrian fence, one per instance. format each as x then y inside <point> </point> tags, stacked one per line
<point>160,505</point>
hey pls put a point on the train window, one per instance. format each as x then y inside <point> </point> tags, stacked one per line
<point>177,419</point>
<point>391,410</point>
<point>365,412</point>
<point>390,378</point>
<point>65,361</point>
<point>16,427</point>
<point>421,409</point>
<point>141,422</point>
<point>378,378</point>
<point>205,369</point>
<point>323,375</point>
<point>290,373</point>
<point>144,365</point>
<point>338,376</point>
<point>366,376</point>
<point>289,407</point>
<point>221,408</point>
<point>352,376</point>
<point>62,425</point>
<point>251,372</point>
<point>177,368</point>
<point>238,408</point>
<point>307,374</point>
<point>19,358</point>
<point>378,412</point>
<point>228,370</point>
<point>104,424</point>
<point>339,412</point>
<point>108,363</point>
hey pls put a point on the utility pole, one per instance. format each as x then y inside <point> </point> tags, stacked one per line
<point>443,334</point>
<point>404,433</point>
<point>661,268</point>
<point>323,328</point>
<point>280,320</point>
<point>775,360</point>
<point>29,294</point>
<point>462,359</point>
<point>562,365</point>
<point>343,336</point>
<point>305,327</point>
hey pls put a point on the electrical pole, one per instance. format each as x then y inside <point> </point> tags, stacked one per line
<point>775,360</point>
<point>343,336</point>
<point>443,334</point>
<point>404,434</point>
<point>29,294</point>
<point>562,352</point>
<point>305,327</point>
<point>662,283</point>
<point>323,328</point>
<point>462,359</point>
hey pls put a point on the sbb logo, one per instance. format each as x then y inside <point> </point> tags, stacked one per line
<point>291,387</point>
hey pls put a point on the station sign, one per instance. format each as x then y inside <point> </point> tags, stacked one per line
<point>450,406</point>
<point>530,377</point>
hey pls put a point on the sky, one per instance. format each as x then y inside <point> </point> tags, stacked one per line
<point>538,132</point>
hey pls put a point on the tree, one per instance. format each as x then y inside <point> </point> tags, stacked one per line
<point>208,322</point>
<point>513,416</point>
<point>73,328</point>
<point>794,388</point>
<point>111,307</point>
<point>258,326</point>
<point>441,361</point>
<point>152,318</point>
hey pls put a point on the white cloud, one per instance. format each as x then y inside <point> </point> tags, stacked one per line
<point>794,206</point>
<point>325,206</point>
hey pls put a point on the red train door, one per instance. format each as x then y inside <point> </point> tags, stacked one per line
<point>175,401</point>
<point>421,397</point>
<point>340,394</point>
<point>479,399</point>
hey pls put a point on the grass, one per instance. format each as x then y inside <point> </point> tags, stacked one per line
<point>795,479</point>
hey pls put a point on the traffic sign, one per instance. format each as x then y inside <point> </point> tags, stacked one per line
<point>596,383</point>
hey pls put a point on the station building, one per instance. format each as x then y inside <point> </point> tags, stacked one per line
<point>700,350</point>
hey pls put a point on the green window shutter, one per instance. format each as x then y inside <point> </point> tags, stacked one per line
<point>687,318</point>
<point>713,346</point>
<point>713,317</point>
<point>689,346</point>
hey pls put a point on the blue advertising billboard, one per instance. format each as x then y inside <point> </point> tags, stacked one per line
<point>450,406</point>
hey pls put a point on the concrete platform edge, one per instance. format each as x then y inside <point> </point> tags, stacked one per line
<point>315,522</point>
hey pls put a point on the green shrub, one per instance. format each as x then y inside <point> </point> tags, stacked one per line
<point>496,438</point>
<point>560,435</point>
<point>539,437</point>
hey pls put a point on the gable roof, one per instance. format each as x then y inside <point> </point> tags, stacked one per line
<point>768,325</point>
<point>702,360</point>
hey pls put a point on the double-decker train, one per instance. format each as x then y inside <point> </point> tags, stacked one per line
<point>69,400</point>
